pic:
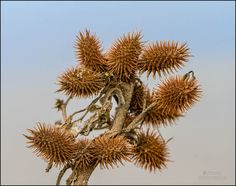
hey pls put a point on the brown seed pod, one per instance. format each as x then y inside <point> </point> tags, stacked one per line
<point>150,152</point>
<point>163,57</point>
<point>156,116</point>
<point>136,104</point>
<point>110,151</point>
<point>123,56</point>
<point>80,82</point>
<point>84,158</point>
<point>54,144</point>
<point>89,52</point>
<point>177,94</point>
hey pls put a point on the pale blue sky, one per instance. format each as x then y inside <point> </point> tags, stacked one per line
<point>37,45</point>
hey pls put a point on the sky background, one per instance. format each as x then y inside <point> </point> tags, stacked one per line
<point>37,41</point>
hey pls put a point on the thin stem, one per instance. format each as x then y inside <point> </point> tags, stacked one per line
<point>160,134</point>
<point>87,108</point>
<point>61,174</point>
<point>71,178</point>
<point>63,110</point>
<point>81,118</point>
<point>64,114</point>
<point>77,112</point>
<point>105,108</point>
<point>136,120</point>
<point>67,101</point>
<point>99,128</point>
<point>141,124</point>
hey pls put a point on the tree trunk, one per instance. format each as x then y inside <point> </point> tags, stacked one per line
<point>84,175</point>
<point>121,112</point>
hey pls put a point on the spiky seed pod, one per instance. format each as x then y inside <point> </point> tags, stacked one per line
<point>150,152</point>
<point>156,116</point>
<point>84,158</point>
<point>52,143</point>
<point>110,151</point>
<point>123,56</point>
<point>163,57</point>
<point>80,82</point>
<point>177,94</point>
<point>89,52</point>
<point>139,92</point>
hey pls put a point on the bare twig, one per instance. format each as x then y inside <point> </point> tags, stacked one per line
<point>137,120</point>
<point>71,178</point>
<point>104,110</point>
<point>77,112</point>
<point>140,126</point>
<point>93,120</point>
<point>67,101</point>
<point>63,109</point>
<point>102,127</point>
<point>89,106</point>
<point>62,172</point>
<point>64,113</point>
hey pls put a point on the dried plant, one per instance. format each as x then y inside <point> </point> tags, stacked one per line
<point>89,52</point>
<point>163,57</point>
<point>150,152</point>
<point>55,145</point>
<point>84,156</point>
<point>156,116</point>
<point>177,94</point>
<point>125,134</point>
<point>81,82</point>
<point>137,98</point>
<point>123,56</point>
<point>110,150</point>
